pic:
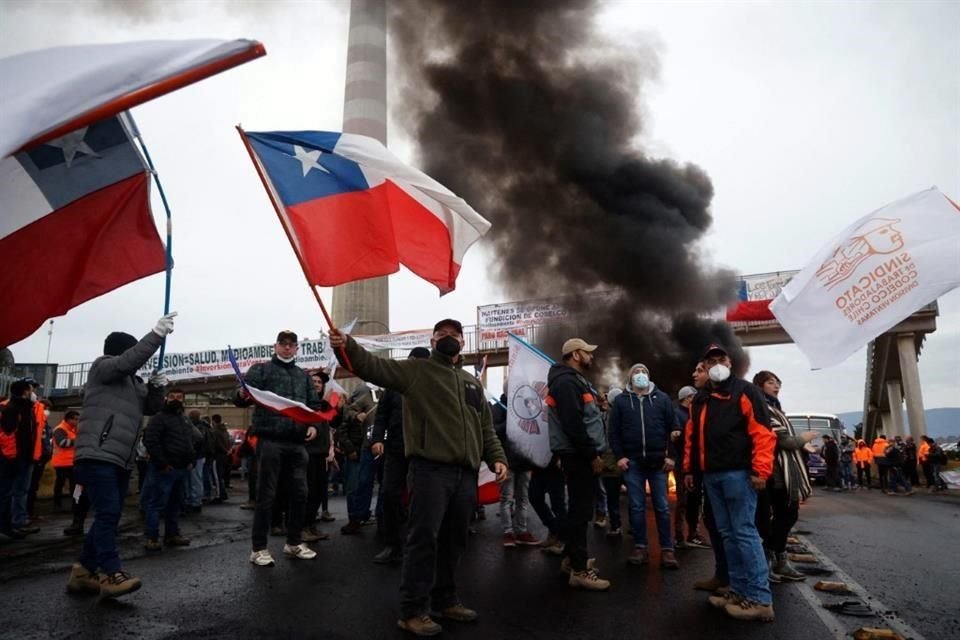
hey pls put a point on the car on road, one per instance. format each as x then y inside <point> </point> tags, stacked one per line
<point>823,424</point>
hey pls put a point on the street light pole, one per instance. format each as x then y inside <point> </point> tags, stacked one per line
<point>49,341</point>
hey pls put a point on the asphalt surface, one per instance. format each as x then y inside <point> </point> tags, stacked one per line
<point>902,554</point>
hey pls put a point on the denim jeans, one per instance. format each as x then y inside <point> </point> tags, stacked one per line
<point>513,502</point>
<point>716,542</point>
<point>287,461</point>
<point>734,503</point>
<point>163,493</point>
<point>211,482</point>
<point>549,482</point>
<point>846,475</point>
<point>897,479</point>
<point>14,485</point>
<point>106,487</point>
<point>443,498</point>
<point>636,478</point>
<point>359,485</point>
<point>611,486</point>
<point>600,500</point>
<point>193,487</point>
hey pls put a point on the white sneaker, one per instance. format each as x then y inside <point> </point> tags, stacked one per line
<point>301,551</point>
<point>261,558</point>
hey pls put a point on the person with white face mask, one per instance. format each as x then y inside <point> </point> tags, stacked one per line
<point>641,420</point>
<point>731,443</point>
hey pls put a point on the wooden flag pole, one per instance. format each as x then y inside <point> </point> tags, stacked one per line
<point>277,207</point>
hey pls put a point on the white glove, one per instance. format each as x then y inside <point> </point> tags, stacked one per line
<point>158,379</point>
<point>165,325</point>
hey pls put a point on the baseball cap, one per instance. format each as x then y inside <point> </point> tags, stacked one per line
<point>577,344</point>
<point>686,392</point>
<point>449,322</point>
<point>714,348</point>
<point>287,335</point>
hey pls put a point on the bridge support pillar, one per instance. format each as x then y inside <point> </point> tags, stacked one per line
<point>893,423</point>
<point>910,373</point>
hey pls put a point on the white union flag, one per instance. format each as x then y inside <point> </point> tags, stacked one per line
<point>527,427</point>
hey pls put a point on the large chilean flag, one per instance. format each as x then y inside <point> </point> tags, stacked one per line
<point>353,210</point>
<point>75,224</point>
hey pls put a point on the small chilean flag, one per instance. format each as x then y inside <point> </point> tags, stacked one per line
<point>296,411</point>
<point>352,210</point>
<point>747,310</point>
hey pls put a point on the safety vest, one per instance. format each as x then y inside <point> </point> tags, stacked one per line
<point>63,456</point>
<point>40,417</point>
<point>8,441</point>
<point>924,452</point>
<point>879,446</point>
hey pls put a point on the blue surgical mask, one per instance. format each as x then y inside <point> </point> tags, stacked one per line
<point>641,380</point>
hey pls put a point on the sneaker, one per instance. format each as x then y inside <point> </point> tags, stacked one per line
<point>711,585</point>
<point>82,581</point>
<point>389,555</point>
<point>565,564</point>
<point>509,540</point>
<point>638,556</point>
<point>152,544</point>
<point>248,506</point>
<point>176,541</point>
<point>310,534</point>
<point>526,538</point>
<point>589,580</point>
<point>722,597</point>
<point>422,626</point>
<point>118,583</point>
<point>615,533</point>
<point>351,528</point>
<point>556,549</point>
<point>261,558</point>
<point>457,612</point>
<point>600,522</point>
<point>668,560</point>
<point>744,609</point>
<point>698,542</point>
<point>301,551</point>
<point>783,570</point>
<point>278,531</point>
<point>326,517</point>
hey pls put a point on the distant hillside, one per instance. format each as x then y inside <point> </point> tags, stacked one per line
<point>941,423</point>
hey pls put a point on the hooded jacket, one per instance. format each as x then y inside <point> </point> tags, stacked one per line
<point>575,420</point>
<point>289,381</point>
<point>115,400</point>
<point>446,418</point>
<point>169,440</point>
<point>640,426</point>
<point>863,455</point>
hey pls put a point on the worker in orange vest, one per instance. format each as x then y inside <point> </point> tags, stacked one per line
<point>64,440</point>
<point>863,459</point>
<point>880,458</point>
<point>42,448</point>
<point>17,437</point>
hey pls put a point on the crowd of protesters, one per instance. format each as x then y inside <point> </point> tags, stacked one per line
<point>739,469</point>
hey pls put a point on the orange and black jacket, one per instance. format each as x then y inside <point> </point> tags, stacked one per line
<point>729,430</point>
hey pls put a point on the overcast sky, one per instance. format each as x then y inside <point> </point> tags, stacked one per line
<point>805,115</point>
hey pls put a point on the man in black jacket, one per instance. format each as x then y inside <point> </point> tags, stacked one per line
<point>280,447</point>
<point>170,446</point>
<point>831,455</point>
<point>17,436</point>
<point>387,440</point>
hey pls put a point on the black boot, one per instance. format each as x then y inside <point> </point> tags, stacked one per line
<point>75,528</point>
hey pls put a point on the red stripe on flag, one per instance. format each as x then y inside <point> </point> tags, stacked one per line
<point>750,311</point>
<point>423,241</point>
<point>90,247</point>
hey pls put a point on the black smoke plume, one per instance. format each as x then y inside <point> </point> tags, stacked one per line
<point>526,112</point>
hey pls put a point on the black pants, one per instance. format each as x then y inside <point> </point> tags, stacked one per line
<point>883,470</point>
<point>252,469</point>
<point>141,474</point>
<point>928,474</point>
<point>863,471</point>
<point>443,498</point>
<point>35,476</point>
<point>395,469</point>
<point>64,477</point>
<point>316,485</point>
<point>280,462</point>
<point>689,502</point>
<point>833,475</point>
<point>223,474</point>
<point>776,515</point>
<point>549,482</point>
<point>910,471</point>
<point>580,484</point>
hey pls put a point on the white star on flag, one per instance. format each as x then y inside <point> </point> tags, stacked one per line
<point>72,144</point>
<point>308,159</point>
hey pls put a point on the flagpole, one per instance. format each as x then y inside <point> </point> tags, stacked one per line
<point>166,207</point>
<point>279,212</point>
<point>532,348</point>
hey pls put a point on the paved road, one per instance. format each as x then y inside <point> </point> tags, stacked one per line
<point>211,591</point>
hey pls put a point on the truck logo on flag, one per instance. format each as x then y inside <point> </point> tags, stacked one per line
<point>877,236</point>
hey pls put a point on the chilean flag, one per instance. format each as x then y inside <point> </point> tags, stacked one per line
<point>352,210</point>
<point>75,224</point>
<point>296,411</point>
<point>746,310</point>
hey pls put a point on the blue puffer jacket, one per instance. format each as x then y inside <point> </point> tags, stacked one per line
<point>640,426</point>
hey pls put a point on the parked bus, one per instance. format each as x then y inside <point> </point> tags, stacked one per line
<point>823,424</point>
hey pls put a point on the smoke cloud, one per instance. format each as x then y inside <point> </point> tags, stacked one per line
<point>528,113</point>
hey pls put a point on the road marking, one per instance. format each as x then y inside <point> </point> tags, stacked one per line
<point>884,613</point>
<point>833,624</point>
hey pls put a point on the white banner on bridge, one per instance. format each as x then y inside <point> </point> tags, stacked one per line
<point>398,340</point>
<point>874,274</point>
<point>495,321</point>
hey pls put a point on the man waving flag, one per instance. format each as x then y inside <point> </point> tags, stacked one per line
<point>352,210</point>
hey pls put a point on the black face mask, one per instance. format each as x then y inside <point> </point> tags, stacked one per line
<point>174,406</point>
<point>448,346</point>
